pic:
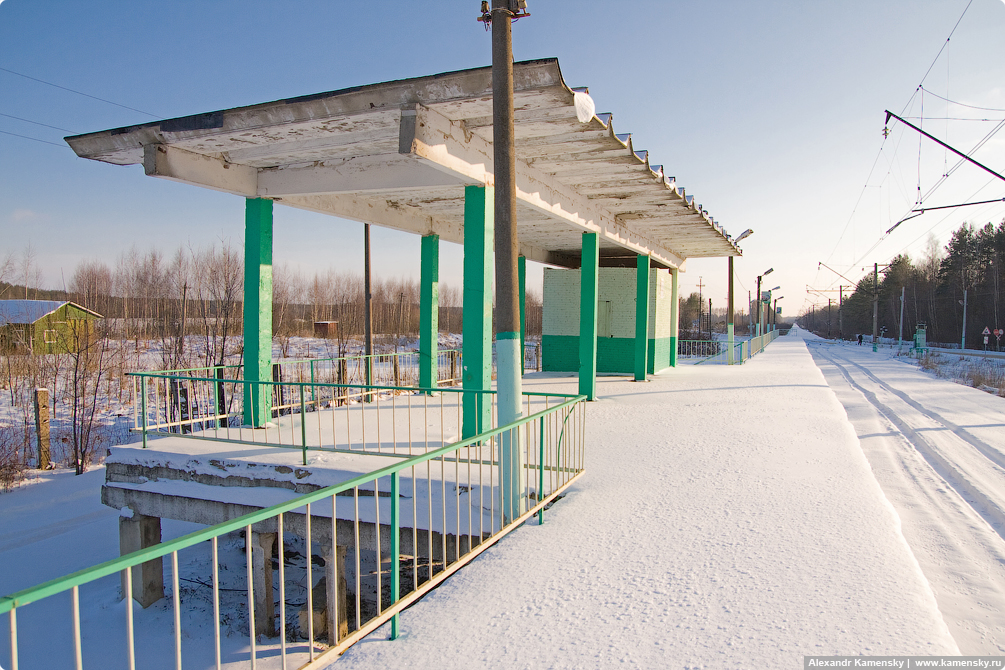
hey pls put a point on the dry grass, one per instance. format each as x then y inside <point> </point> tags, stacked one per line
<point>986,374</point>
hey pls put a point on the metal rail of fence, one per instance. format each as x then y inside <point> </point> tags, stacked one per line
<point>393,369</point>
<point>743,350</point>
<point>388,536</point>
<point>386,420</point>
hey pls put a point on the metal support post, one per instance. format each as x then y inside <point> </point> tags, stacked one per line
<point>674,316</point>
<point>588,288</point>
<point>429,302</point>
<point>759,305</point>
<point>641,318</point>
<point>257,309</point>
<point>477,326</point>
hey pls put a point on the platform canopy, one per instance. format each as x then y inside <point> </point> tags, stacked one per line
<point>398,154</point>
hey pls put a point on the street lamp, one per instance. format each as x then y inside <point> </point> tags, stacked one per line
<point>770,319</point>
<point>775,310</point>
<point>729,307</point>
<point>763,274</point>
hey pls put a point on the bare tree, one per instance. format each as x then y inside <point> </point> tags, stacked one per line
<point>91,285</point>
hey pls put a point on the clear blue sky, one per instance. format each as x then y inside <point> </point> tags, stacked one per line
<point>770,113</point>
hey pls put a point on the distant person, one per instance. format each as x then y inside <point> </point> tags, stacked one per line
<point>860,339</point>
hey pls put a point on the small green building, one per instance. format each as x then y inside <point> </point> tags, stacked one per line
<point>616,310</point>
<point>44,326</point>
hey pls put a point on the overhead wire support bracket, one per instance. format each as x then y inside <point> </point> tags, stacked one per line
<point>962,155</point>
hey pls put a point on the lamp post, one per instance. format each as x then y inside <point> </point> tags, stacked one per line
<point>770,321</point>
<point>775,311</point>
<point>760,326</point>
<point>729,308</point>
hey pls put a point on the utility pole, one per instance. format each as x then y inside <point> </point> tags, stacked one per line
<point>829,321</point>
<point>900,336</point>
<point>508,383</point>
<point>701,306</point>
<point>841,312</point>
<point>963,338</point>
<point>875,306</point>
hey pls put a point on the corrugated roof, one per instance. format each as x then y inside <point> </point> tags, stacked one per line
<point>30,311</point>
<point>398,153</point>
<point>26,311</point>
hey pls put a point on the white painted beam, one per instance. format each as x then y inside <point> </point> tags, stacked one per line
<point>451,147</point>
<point>179,165</point>
<point>382,172</point>
<point>379,211</point>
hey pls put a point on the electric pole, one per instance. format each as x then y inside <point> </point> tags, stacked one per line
<point>508,352</point>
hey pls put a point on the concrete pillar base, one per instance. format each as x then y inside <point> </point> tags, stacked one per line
<point>329,596</point>
<point>135,533</point>
<point>261,565</point>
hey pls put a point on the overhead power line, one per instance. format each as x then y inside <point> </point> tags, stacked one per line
<point>46,125</point>
<point>35,139</point>
<point>71,90</point>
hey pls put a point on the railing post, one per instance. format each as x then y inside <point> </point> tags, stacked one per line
<point>396,550</point>
<point>303,427</point>
<point>143,409</point>
<point>540,473</point>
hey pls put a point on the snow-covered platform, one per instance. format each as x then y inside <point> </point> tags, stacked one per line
<point>727,518</point>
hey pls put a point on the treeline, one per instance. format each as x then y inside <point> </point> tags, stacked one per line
<point>933,290</point>
<point>156,296</point>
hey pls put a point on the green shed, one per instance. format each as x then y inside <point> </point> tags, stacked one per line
<point>44,326</point>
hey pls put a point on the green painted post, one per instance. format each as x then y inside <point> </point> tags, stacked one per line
<point>522,271</point>
<point>479,207</point>
<point>303,423</point>
<point>588,288</point>
<point>257,308</point>
<point>674,316</point>
<point>143,408</point>
<point>641,318</point>
<point>540,472</point>
<point>429,307</point>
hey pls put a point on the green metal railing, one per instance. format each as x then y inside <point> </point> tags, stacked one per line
<point>312,415</point>
<point>424,540</point>
<point>718,352</point>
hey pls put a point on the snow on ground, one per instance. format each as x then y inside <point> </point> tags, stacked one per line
<point>727,518</point>
<point>938,451</point>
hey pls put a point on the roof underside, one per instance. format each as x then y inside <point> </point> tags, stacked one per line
<point>399,154</point>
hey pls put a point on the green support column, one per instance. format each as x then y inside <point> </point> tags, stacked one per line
<point>642,318</point>
<point>674,316</point>
<point>429,306</point>
<point>257,309</point>
<point>522,269</point>
<point>588,316</point>
<point>479,207</point>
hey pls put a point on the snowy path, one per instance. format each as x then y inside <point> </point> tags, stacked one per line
<point>727,518</point>
<point>938,451</point>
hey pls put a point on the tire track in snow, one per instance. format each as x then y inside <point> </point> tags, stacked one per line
<point>992,454</point>
<point>992,511</point>
<point>960,553</point>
